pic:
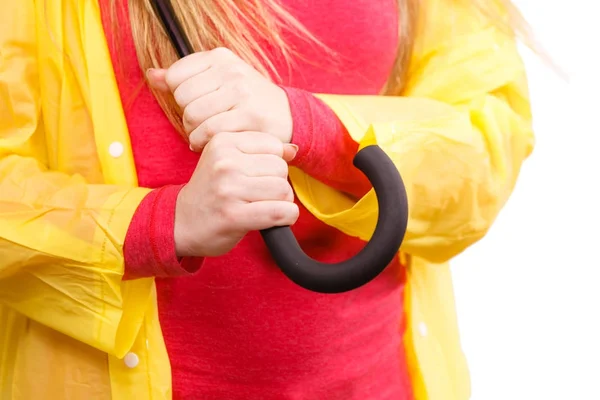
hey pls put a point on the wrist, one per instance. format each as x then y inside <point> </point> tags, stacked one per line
<point>181,229</point>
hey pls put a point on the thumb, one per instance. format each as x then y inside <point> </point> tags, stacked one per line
<point>156,79</point>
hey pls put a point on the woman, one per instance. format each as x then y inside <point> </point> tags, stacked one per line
<point>131,267</point>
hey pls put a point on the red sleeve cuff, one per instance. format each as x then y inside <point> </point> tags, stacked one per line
<point>303,126</point>
<point>149,248</point>
<point>325,148</point>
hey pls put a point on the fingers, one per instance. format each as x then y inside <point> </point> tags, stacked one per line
<point>197,63</point>
<point>197,74</point>
<point>265,188</point>
<point>230,121</point>
<point>259,146</point>
<point>205,107</point>
<point>262,147</point>
<point>261,165</point>
<point>219,92</point>
<point>214,78</point>
<point>264,214</point>
<point>248,143</point>
<point>156,79</point>
<point>289,152</point>
<point>187,67</point>
<point>198,85</point>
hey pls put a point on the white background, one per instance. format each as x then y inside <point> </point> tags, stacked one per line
<point>528,295</point>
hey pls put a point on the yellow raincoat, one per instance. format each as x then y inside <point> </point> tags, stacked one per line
<point>71,329</point>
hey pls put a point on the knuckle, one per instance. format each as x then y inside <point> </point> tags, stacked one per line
<point>259,118</point>
<point>277,215</point>
<point>242,90</point>
<point>172,77</point>
<point>294,213</point>
<point>208,129</point>
<point>224,191</point>
<point>290,196</point>
<point>196,141</point>
<point>280,168</point>
<point>192,117</point>
<point>283,189</point>
<point>181,95</point>
<point>217,142</point>
<point>251,113</point>
<point>285,214</point>
<point>289,192</point>
<point>223,166</point>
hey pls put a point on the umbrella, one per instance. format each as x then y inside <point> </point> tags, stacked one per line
<point>283,246</point>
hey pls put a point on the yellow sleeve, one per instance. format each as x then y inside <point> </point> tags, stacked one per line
<point>61,239</point>
<point>458,135</point>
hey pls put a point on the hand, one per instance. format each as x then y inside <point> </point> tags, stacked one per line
<point>239,185</point>
<point>219,92</point>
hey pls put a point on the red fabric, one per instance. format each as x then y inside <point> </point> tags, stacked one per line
<point>237,328</point>
<point>325,150</point>
<point>150,242</point>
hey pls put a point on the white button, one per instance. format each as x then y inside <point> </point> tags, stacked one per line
<point>131,360</point>
<point>422,329</point>
<point>116,149</point>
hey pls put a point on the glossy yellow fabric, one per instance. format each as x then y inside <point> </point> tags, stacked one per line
<point>458,137</point>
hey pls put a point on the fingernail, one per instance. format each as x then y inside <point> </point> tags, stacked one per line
<point>293,150</point>
<point>148,72</point>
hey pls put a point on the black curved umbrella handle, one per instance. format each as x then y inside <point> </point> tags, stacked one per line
<point>377,253</point>
<point>391,221</point>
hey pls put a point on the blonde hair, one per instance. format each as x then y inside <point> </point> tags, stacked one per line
<point>243,25</point>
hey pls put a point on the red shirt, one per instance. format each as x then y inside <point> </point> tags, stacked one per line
<point>235,327</point>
